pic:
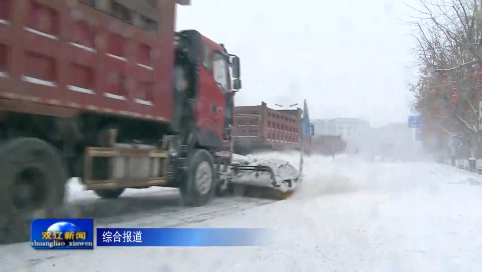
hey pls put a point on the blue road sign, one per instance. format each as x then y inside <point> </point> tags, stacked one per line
<point>414,121</point>
<point>418,134</point>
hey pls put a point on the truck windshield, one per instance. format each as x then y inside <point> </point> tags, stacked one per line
<point>221,71</point>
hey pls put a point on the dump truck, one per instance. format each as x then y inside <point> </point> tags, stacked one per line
<point>260,128</point>
<point>109,92</point>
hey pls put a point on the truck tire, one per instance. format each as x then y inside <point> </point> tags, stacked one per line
<point>198,188</point>
<point>109,193</point>
<point>33,179</point>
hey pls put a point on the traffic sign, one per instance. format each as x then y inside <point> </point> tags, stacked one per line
<point>415,121</point>
<point>455,141</point>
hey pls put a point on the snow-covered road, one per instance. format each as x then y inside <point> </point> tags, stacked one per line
<point>348,215</point>
<point>140,208</point>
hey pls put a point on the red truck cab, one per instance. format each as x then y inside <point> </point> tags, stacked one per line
<point>214,96</point>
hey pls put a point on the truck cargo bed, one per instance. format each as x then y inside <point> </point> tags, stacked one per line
<point>257,128</point>
<point>63,57</point>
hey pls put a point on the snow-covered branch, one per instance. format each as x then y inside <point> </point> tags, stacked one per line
<point>463,65</point>
<point>467,125</point>
<point>444,129</point>
<point>470,104</point>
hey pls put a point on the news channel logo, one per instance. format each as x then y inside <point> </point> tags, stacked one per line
<point>62,234</point>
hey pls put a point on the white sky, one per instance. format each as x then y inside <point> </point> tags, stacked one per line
<point>347,58</point>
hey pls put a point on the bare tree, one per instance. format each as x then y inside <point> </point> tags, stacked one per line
<point>448,36</point>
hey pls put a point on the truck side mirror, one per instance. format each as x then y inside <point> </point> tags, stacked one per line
<point>237,84</point>
<point>236,67</point>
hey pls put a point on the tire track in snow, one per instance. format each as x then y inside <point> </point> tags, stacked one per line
<point>157,210</point>
<point>157,207</point>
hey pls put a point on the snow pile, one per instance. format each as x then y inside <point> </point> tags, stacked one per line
<point>457,176</point>
<point>323,169</point>
<point>75,189</point>
<point>74,185</point>
<point>468,181</point>
<point>285,174</point>
<point>76,192</point>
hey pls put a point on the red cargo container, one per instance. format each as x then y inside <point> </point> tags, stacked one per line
<point>258,128</point>
<point>63,57</point>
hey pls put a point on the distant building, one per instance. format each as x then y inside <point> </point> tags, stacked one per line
<point>325,126</point>
<point>352,128</point>
<point>395,140</point>
<point>347,127</point>
<point>354,131</point>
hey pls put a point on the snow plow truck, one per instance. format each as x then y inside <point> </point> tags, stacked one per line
<point>107,91</point>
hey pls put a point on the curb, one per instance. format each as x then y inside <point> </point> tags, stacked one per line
<point>466,168</point>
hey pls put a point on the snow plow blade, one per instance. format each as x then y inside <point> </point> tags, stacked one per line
<point>263,178</point>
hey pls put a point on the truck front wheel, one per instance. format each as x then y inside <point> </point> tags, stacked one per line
<point>198,189</point>
<point>32,185</point>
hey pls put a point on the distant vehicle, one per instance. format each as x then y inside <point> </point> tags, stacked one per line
<point>260,128</point>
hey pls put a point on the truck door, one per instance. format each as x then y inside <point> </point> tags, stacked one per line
<point>223,81</point>
<point>210,106</point>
